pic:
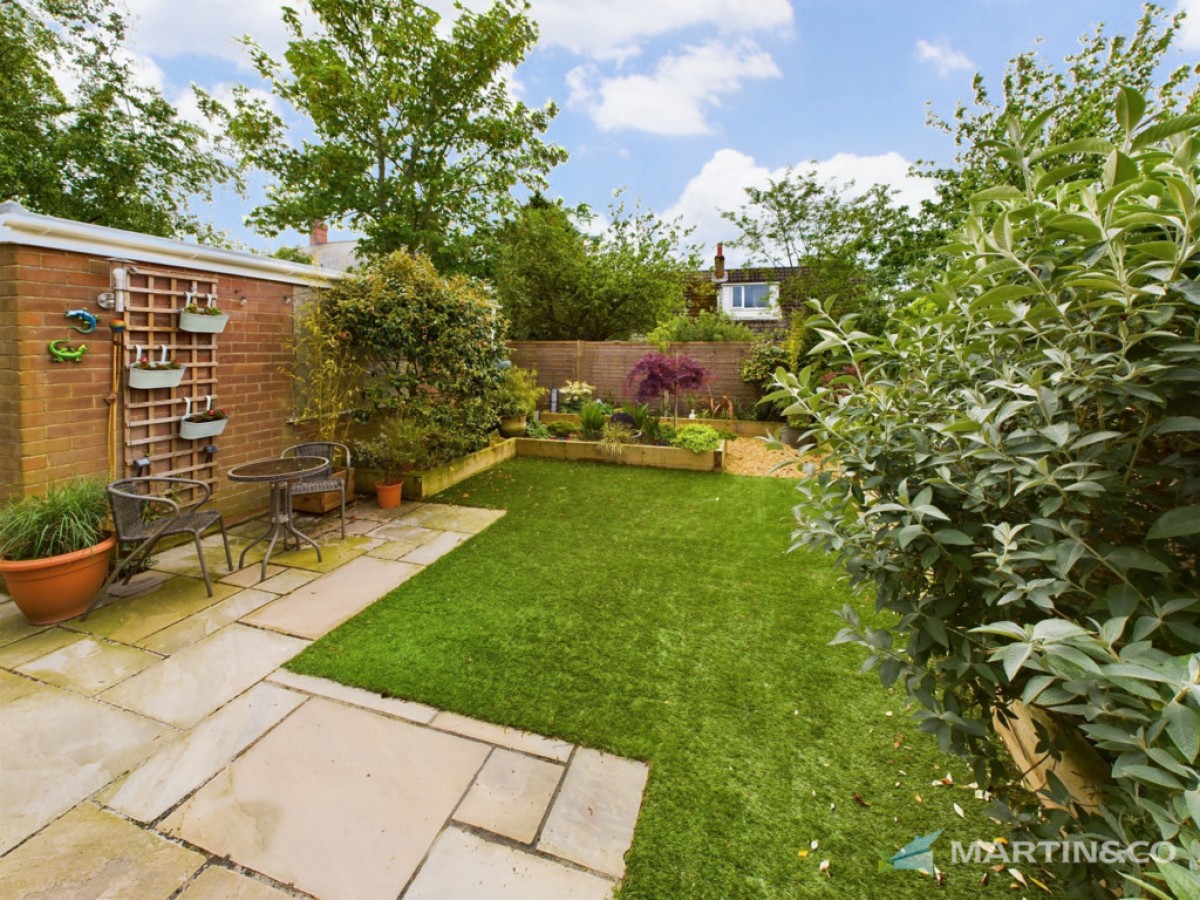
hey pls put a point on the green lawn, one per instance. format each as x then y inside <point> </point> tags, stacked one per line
<point>657,615</point>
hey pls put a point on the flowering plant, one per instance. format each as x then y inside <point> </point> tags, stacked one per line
<point>208,415</point>
<point>573,395</point>
<point>146,362</point>
<point>196,309</point>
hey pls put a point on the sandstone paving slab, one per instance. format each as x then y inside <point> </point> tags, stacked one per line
<point>207,621</point>
<point>58,749</point>
<point>14,626</point>
<point>321,605</point>
<point>140,583</point>
<point>446,517</point>
<point>592,820</point>
<point>286,581</point>
<point>180,767</point>
<point>182,560</point>
<point>92,853</point>
<point>89,666</point>
<point>323,687</point>
<point>131,619</point>
<point>251,575</point>
<point>402,532</point>
<point>205,676</point>
<point>435,549</point>
<point>371,511</point>
<point>14,687</point>
<point>463,865</point>
<point>510,795</point>
<point>30,648</point>
<point>218,883</point>
<point>360,829</point>
<point>334,554</point>
<point>512,738</point>
<point>355,526</point>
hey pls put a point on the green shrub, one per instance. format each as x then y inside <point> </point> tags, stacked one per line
<point>592,416</point>
<point>697,438</point>
<point>535,428</point>
<point>708,325</point>
<point>614,436</point>
<point>1017,479</point>
<point>519,392</point>
<point>68,517</point>
<point>562,429</point>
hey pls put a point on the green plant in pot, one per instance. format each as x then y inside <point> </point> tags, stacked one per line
<point>517,399</point>
<point>402,445</point>
<point>54,552</point>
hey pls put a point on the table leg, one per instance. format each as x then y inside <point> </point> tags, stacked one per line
<point>290,527</point>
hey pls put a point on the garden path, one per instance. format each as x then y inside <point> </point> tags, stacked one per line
<point>158,749</point>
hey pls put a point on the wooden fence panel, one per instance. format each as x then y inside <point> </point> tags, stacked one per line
<point>606,364</point>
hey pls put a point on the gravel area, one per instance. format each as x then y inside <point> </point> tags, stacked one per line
<point>750,456</point>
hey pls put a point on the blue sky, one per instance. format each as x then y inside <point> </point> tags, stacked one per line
<point>686,102</point>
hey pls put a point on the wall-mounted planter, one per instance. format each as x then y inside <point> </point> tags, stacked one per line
<point>191,430</point>
<point>148,379</point>
<point>198,322</point>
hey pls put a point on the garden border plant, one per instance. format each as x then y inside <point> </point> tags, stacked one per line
<point>1020,484</point>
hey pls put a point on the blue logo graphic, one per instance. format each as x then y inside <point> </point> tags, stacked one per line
<point>916,855</point>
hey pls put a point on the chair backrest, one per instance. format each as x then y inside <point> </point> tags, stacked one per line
<point>128,500</point>
<point>329,450</point>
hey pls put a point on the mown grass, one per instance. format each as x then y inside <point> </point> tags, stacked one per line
<point>656,615</point>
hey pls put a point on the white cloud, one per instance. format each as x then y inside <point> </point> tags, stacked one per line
<point>170,29</point>
<point>674,99</point>
<point>944,58</point>
<point>1189,36</point>
<point>615,29</point>
<point>721,185</point>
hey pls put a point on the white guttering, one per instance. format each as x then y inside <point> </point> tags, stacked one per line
<point>21,227</point>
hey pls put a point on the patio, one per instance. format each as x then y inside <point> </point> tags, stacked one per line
<point>157,749</point>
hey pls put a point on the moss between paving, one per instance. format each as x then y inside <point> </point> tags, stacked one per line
<point>656,615</point>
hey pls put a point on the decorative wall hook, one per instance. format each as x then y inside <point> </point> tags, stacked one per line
<point>87,321</point>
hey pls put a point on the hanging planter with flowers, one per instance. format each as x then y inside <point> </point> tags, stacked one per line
<point>207,423</point>
<point>206,318</point>
<point>147,374</point>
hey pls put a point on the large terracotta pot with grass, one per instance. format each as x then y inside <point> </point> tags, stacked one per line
<point>58,588</point>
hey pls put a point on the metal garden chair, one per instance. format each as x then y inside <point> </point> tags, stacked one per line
<point>326,480</point>
<point>145,511</point>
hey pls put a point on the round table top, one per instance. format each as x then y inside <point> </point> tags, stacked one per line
<point>283,468</point>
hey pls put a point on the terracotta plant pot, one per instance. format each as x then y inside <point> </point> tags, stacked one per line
<point>513,426</point>
<point>388,495</point>
<point>59,587</point>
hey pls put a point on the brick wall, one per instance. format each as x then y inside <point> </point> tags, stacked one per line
<point>606,364</point>
<point>54,416</point>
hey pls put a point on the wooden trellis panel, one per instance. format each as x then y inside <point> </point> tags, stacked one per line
<point>152,416</point>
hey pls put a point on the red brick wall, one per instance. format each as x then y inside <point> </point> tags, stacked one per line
<point>54,416</point>
<point>605,365</point>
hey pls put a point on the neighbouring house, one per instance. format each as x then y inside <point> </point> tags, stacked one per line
<point>76,412</point>
<point>332,256</point>
<point>748,295</point>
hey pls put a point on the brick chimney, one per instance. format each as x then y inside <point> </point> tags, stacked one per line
<point>319,234</point>
<point>719,264</point>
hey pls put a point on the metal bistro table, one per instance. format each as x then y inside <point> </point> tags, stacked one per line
<point>280,474</point>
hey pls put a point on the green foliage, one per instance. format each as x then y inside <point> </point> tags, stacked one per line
<point>327,372</point>
<point>535,428</point>
<point>415,330</point>
<point>1018,476</point>
<point>759,365</point>
<point>614,436</point>
<point>68,517</point>
<point>1076,101</point>
<point>557,283</point>
<point>696,438</point>
<point>405,444</point>
<point>592,418</point>
<point>562,429</point>
<point>293,254</point>
<point>519,393</point>
<point>644,421</point>
<point>114,152</point>
<point>708,325</point>
<point>418,141</point>
<point>574,394</point>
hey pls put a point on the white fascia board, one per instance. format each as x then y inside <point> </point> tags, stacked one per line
<point>26,229</point>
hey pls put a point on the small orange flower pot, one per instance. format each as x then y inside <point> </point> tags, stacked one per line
<point>388,495</point>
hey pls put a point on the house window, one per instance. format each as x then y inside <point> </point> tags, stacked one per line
<point>750,300</point>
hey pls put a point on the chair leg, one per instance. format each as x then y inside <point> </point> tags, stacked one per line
<point>225,538</point>
<point>343,509</point>
<point>203,566</point>
<point>116,573</point>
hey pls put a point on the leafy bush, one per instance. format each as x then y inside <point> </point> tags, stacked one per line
<point>614,436</point>
<point>430,343</point>
<point>519,392</point>
<point>68,517</point>
<point>697,438</point>
<point>562,429</point>
<point>535,428</point>
<point>759,365</point>
<point>592,416</point>
<point>656,374</point>
<point>1018,481</point>
<point>708,325</point>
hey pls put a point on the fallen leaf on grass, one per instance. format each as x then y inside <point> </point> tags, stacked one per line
<point>1018,877</point>
<point>918,798</point>
<point>814,845</point>
<point>958,811</point>
<point>802,853</point>
<point>858,798</point>
<point>825,868</point>
<point>897,741</point>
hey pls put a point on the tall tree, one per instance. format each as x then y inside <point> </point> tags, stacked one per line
<point>1073,101</point>
<point>107,149</point>
<point>556,283</point>
<point>418,140</point>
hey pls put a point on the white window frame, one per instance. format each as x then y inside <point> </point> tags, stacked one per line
<point>767,312</point>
